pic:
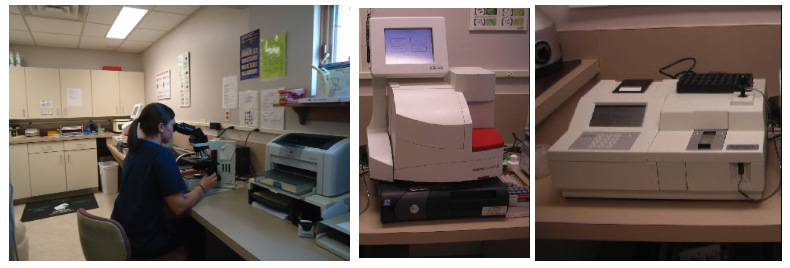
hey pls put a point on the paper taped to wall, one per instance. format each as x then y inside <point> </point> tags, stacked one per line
<point>248,106</point>
<point>230,92</point>
<point>74,97</point>
<point>271,117</point>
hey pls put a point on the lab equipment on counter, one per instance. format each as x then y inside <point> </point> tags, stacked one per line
<point>13,130</point>
<point>548,57</point>
<point>334,235</point>
<point>428,132</point>
<point>303,164</point>
<point>305,229</point>
<point>138,108</point>
<point>221,160</point>
<point>71,131</point>
<point>31,132</point>
<point>117,125</point>
<point>654,142</point>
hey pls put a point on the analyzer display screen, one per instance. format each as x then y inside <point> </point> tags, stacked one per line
<point>408,46</point>
<point>618,116</point>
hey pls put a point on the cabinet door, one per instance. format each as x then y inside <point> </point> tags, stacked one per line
<point>17,95</point>
<point>20,171</point>
<point>47,173</point>
<point>132,90</point>
<point>43,84</point>
<point>77,104</point>
<point>82,169</point>
<point>105,93</point>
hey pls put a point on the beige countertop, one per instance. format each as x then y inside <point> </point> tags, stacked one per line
<point>23,139</point>
<point>253,233</point>
<point>660,220</point>
<point>373,232</point>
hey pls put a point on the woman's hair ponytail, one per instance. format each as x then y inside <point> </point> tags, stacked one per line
<point>132,142</point>
<point>150,117</point>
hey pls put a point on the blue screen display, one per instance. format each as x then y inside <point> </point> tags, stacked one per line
<point>408,46</point>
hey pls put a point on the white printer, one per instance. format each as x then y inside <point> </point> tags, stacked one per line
<point>429,131</point>
<point>303,163</point>
<point>646,140</point>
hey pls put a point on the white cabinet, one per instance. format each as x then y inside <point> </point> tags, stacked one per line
<point>106,93</point>
<point>132,90</point>
<point>80,104</point>
<point>17,95</point>
<point>81,169</point>
<point>60,166</point>
<point>20,171</point>
<point>47,173</point>
<point>43,84</point>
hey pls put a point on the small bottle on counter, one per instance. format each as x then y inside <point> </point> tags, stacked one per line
<point>18,60</point>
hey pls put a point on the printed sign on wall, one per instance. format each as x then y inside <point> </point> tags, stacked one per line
<point>163,85</point>
<point>183,76</point>
<point>249,54</point>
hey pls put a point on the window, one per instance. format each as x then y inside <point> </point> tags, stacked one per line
<point>337,29</point>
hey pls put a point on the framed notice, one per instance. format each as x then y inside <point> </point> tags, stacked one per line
<point>498,19</point>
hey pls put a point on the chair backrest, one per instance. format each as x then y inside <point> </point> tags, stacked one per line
<point>102,239</point>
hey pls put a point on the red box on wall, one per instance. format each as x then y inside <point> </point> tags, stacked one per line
<point>111,68</point>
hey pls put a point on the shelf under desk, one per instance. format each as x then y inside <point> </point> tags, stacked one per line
<point>373,232</point>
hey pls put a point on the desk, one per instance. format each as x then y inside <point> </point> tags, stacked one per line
<point>373,232</point>
<point>251,232</point>
<point>660,220</point>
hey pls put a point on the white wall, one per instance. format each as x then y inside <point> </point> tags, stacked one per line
<point>211,35</point>
<point>641,17</point>
<point>506,50</point>
<point>75,58</point>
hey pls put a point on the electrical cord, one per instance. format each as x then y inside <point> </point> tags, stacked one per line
<point>248,136</point>
<point>690,69</point>
<point>223,132</point>
<point>363,168</point>
<point>367,33</point>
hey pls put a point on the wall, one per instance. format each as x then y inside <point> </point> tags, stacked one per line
<point>211,35</point>
<point>74,58</point>
<point>641,17</point>
<point>490,50</point>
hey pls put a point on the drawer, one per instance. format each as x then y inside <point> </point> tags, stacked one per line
<point>79,144</point>
<point>44,147</point>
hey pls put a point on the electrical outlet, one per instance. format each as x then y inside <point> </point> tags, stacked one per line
<point>227,115</point>
<point>202,120</point>
<point>509,74</point>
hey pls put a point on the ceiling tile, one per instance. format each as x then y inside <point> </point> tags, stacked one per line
<point>54,26</point>
<point>16,22</point>
<point>95,30</point>
<point>56,40</point>
<point>103,14</point>
<point>145,35</point>
<point>161,21</point>
<point>183,10</point>
<point>13,10</point>
<point>141,7</point>
<point>133,46</point>
<point>20,37</point>
<point>100,43</point>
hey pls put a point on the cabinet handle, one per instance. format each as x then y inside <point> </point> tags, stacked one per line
<point>69,158</point>
<point>23,113</point>
<point>61,159</point>
<point>123,109</point>
<point>65,111</point>
<point>116,110</point>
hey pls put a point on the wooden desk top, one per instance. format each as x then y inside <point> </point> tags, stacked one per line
<point>373,232</point>
<point>660,220</point>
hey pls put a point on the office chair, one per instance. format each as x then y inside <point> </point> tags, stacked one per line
<point>104,239</point>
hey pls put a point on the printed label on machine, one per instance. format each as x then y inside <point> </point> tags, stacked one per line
<point>494,211</point>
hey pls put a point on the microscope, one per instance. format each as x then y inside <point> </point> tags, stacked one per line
<point>220,160</point>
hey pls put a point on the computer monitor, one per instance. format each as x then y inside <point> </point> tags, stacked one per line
<point>408,47</point>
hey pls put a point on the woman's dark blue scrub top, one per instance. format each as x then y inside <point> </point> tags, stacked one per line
<point>146,180</point>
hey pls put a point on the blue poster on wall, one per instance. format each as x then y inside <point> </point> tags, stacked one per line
<point>249,55</point>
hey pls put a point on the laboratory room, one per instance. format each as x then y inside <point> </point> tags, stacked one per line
<point>658,132</point>
<point>179,132</point>
<point>444,108</point>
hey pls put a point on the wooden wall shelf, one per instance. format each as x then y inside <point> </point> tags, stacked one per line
<point>333,111</point>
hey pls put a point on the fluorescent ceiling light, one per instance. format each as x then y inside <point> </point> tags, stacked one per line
<point>125,22</point>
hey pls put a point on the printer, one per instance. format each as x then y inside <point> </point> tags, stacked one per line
<point>428,131</point>
<point>646,139</point>
<point>138,108</point>
<point>303,164</point>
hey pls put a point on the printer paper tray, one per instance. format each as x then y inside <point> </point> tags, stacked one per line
<point>284,192</point>
<point>286,177</point>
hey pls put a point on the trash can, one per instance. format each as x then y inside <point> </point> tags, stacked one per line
<point>109,176</point>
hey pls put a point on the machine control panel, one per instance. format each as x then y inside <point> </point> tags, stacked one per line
<point>605,141</point>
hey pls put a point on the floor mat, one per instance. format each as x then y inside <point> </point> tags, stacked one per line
<point>56,207</point>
